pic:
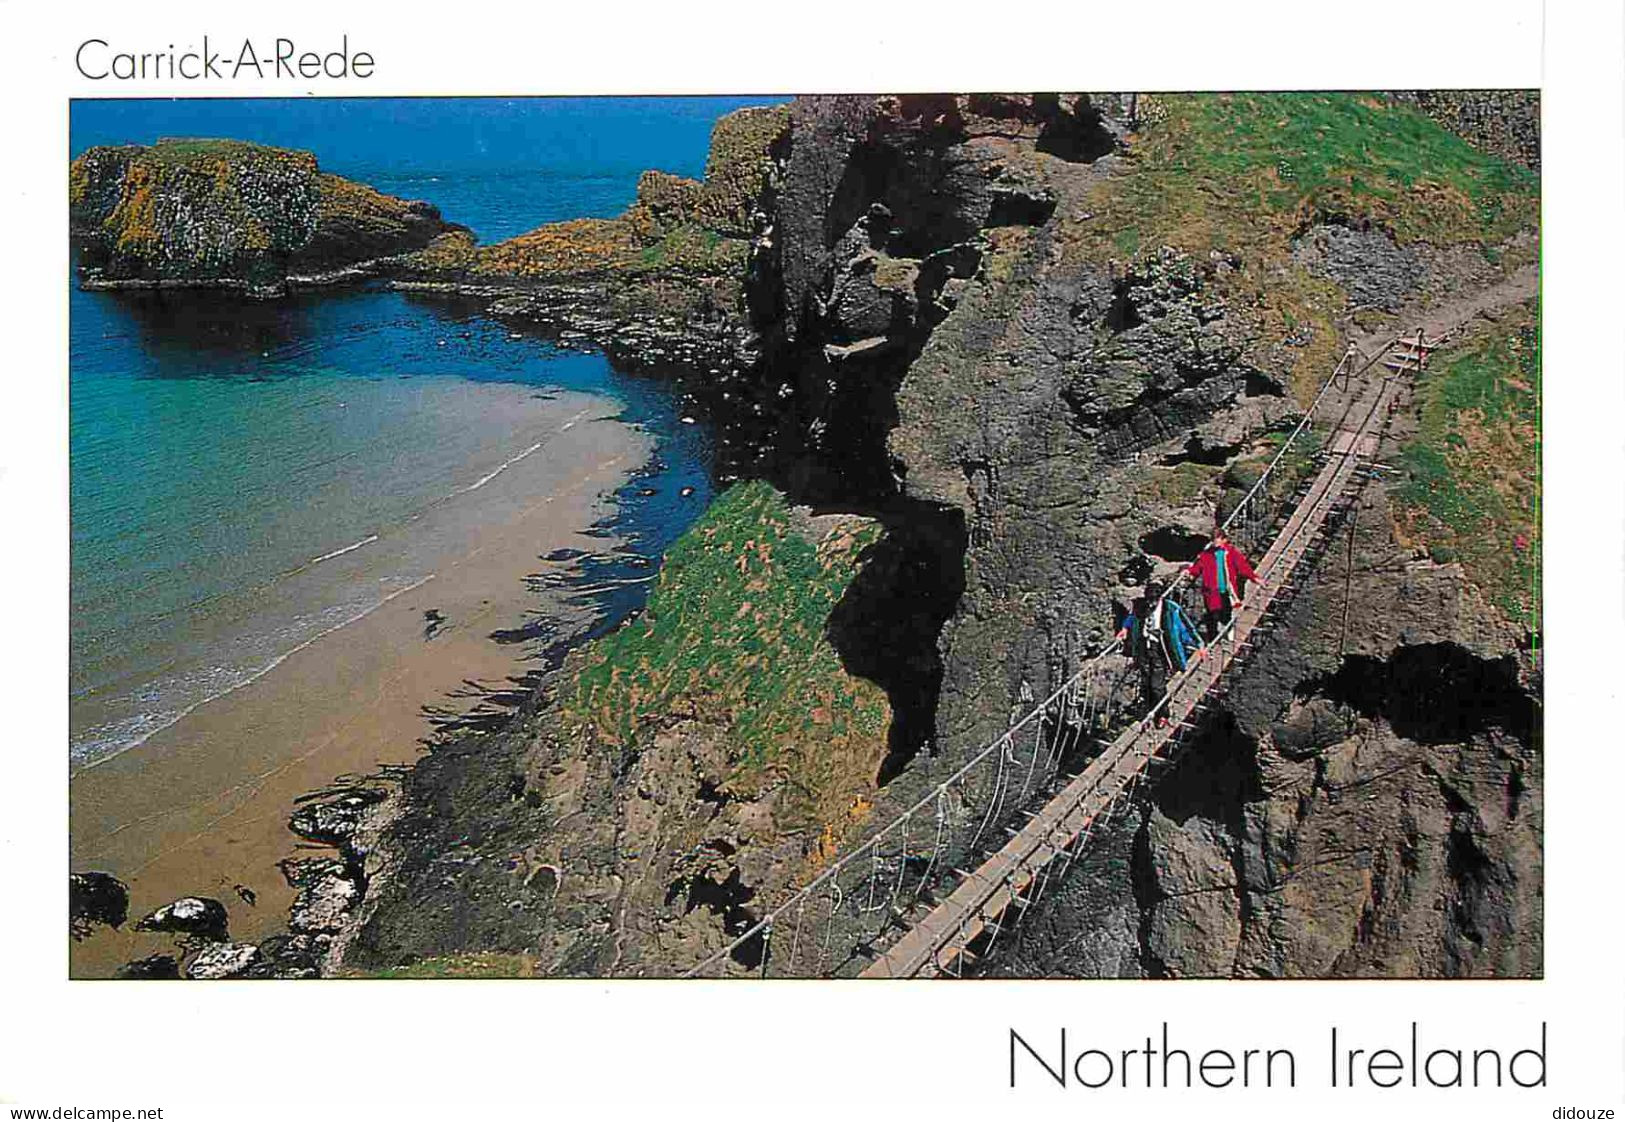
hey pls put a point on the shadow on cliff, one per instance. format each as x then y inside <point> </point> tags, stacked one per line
<point>885,627</point>
<point>1432,693</point>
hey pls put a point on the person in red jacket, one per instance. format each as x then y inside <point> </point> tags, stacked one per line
<point>1224,572</point>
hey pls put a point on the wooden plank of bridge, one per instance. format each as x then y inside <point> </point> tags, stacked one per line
<point>986,893</point>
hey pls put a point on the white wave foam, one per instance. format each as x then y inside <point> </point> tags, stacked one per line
<point>153,723</point>
<point>502,467</point>
<point>368,540</point>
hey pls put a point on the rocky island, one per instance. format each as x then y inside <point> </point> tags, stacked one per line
<point>229,214</point>
<point>978,367</point>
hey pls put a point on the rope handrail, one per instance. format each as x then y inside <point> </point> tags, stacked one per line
<point>930,797</point>
<point>869,848</point>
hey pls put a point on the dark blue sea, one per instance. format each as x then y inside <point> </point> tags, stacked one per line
<point>249,475</point>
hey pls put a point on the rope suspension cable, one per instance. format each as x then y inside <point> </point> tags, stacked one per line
<point>1057,745</point>
<point>835,899</point>
<point>795,935</point>
<point>1000,784</point>
<point>936,845</point>
<point>869,904</point>
<point>902,862</point>
<point>934,794</point>
<point>1032,764</point>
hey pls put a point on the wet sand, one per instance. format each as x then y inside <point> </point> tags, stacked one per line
<point>202,806</point>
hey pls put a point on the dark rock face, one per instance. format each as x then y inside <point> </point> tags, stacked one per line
<point>1373,270</point>
<point>95,898</point>
<point>334,817</point>
<point>1093,371</point>
<point>461,859</point>
<point>1368,804</point>
<point>195,916</point>
<point>289,957</point>
<point>878,228</point>
<point>329,890</point>
<point>231,214</point>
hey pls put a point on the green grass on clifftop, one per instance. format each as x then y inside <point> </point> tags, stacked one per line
<point>1472,492</point>
<point>733,641</point>
<point>1214,168</point>
<point>1339,152</point>
<point>1244,174</point>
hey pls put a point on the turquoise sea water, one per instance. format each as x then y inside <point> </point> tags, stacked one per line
<point>247,475</point>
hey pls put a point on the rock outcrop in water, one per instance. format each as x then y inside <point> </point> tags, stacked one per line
<point>226,213</point>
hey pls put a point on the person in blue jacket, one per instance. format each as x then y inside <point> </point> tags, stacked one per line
<point>1159,636</point>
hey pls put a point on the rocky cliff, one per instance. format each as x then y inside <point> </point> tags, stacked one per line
<point>227,213</point>
<point>1132,325</point>
<point>1024,348</point>
<point>1368,802</point>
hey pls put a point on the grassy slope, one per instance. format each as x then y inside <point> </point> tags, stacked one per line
<point>1473,488</point>
<point>1244,173</point>
<point>733,639</point>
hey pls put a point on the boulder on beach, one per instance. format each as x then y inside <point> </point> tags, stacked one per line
<point>195,916</point>
<point>333,818</point>
<point>223,960</point>
<point>328,890</point>
<point>95,898</point>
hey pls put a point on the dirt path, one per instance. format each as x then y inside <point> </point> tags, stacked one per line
<point>1441,318</point>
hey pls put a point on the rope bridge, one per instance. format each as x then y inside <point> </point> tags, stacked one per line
<point>881,911</point>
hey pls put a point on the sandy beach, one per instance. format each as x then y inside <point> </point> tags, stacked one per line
<point>201,807</point>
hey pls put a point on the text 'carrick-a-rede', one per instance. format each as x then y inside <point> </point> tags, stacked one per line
<point>97,59</point>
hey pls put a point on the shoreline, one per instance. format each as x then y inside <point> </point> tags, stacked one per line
<point>247,681</point>
<point>92,281</point>
<point>201,806</point>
